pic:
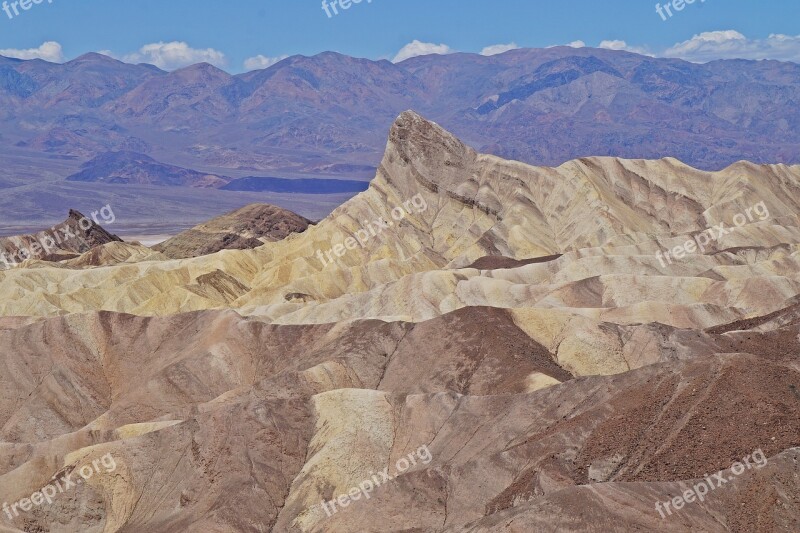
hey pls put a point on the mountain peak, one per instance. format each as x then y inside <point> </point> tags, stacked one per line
<point>93,57</point>
<point>411,128</point>
<point>424,152</point>
<point>201,69</point>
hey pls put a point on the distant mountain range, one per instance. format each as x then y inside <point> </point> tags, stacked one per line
<point>127,168</point>
<point>121,131</point>
<point>329,114</point>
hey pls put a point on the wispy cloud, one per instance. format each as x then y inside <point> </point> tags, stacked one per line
<point>731,44</point>
<point>49,51</point>
<point>498,49</point>
<point>175,55</point>
<point>261,61</point>
<point>417,48</point>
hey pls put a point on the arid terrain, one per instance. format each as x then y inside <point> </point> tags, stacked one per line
<point>191,140</point>
<point>245,228</point>
<point>489,346</point>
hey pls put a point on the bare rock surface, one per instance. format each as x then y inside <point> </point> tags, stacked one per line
<point>511,354</point>
<point>609,218</point>
<point>76,235</point>
<point>242,425</point>
<point>245,228</point>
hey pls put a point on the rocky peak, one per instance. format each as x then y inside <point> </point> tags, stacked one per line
<point>420,152</point>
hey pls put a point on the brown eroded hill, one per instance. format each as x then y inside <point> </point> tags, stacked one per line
<point>224,423</point>
<point>516,324</point>
<point>76,235</point>
<point>245,228</point>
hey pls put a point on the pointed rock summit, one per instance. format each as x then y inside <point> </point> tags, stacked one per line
<point>434,157</point>
<point>76,235</point>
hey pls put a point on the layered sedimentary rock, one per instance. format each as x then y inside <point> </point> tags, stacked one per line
<point>609,217</point>
<point>222,423</point>
<point>76,235</point>
<point>523,326</point>
<point>245,228</point>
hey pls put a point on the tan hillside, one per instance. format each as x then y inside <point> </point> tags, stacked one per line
<point>608,216</point>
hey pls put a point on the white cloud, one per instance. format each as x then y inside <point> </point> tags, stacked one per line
<point>614,45</point>
<point>417,48</point>
<point>175,55</point>
<point>260,61</point>
<point>498,49</point>
<point>622,45</point>
<point>731,44</point>
<point>573,44</point>
<point>49,51</point>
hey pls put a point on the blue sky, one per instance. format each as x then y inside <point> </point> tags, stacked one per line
<point>229,33</point>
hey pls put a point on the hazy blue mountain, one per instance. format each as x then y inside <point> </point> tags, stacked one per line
<point>131,168</point>
<point>328,115</point>
<point>300,186</point>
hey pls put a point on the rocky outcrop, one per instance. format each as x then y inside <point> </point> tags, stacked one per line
<point>76,235</point>
<point>245,228</point>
